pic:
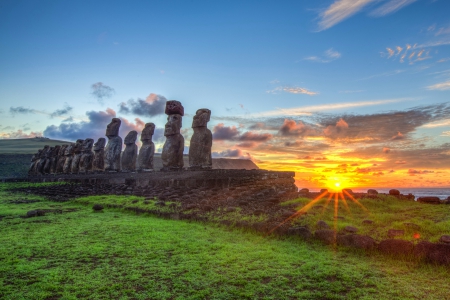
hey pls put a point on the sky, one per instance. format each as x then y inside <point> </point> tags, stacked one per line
<point>348,92</point>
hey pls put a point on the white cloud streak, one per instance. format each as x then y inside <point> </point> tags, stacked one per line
<point>292,90</point>
<point>443,86</point>
<point>329,56</point>
<point>308,110</point>
<point>437,124</point>
<point>339,11</point>
<point>390,7</point>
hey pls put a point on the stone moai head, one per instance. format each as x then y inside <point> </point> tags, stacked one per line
<point>87,145</point>
<point>113,128</point>
<point>148,131</point>
<point>62,150</point>
<point>100,144</point>
<point>78,146</point>
<point>44,151</point>
<point>174,107</point>
<point>69,149</point>
<point>131,137</point>
<point>55,151</point>
<point>201,118</point>
<point>50,151</point>
<point>173,125</point>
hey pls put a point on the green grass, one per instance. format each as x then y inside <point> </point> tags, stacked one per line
<point>386,213</point>
<point>27,146</point>
<point>119,255</point>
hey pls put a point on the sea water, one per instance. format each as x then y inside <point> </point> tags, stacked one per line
<point>442,193</point>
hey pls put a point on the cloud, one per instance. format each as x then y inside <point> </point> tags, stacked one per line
<point>400,162</point>
<point>307,110</point>
<point>292,128</point>
<point>254,137</point>
<point>236,153</point>
<point>413,172</point>
<point>336,131</point>
<point>95,127</point>
<point>61,112</point>
<point>329,56</point>
<point>443,30</point>
<point>21,110</point>
<point>443,86</point>
<point>398,136</point>
<point>292,90</point>
<point>445,133</point>
<point>222,132</point>
<point>390,7</point>
<point>339,11</point>
<point>386,150</point>
<point>19,134</point>
<point>153,105</point>
<point>101,91</point>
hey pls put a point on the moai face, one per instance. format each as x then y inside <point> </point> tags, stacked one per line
<point>100,144</point>
<point>78,146</point>
<point>44,151</point>
<point>148,131</point>
<point>69,149</point>
<point>87,145</point>
<point>174,107</point>
<point>201,118</point>
<point>62,150</point>
<point>173,125</point>
<point>131,137</point>
<point>113,128</point>
<point>56,150</point>
<point>50,151</point>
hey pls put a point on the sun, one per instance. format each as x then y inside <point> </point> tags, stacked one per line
<point>337,184</point>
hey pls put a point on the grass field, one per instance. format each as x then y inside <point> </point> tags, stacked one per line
<point>76,253</point>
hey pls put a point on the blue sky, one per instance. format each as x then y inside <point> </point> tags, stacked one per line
<point>258,65</point>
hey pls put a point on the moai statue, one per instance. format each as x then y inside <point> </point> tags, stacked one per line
<point>172,153</point>
<point>61,159</point>
<point>114,146</point>
<point>201,141</point>
<point>42,160</point>
<point>147,151</point>
<point>68,153</point>
<point>87,156</point>
<point>48,161</point>
<point>54,159</point>
<point>99,151</point>
<point>34,160</point>
<point>77,152</point>
<point>130,153</point>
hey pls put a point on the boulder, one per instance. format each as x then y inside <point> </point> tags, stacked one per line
<point>394,192</point>
<point>395,232</point>
<point>429,200</point>
<point>396,247</point>
<point>372,192</point>
<point>356,241</point>
<point>326,236</point>
<point>445,239</point>
<point>97,207</point>
<point>434,253</point>
<point>321,224</point>
<point>351,229</point>
<point>302,232</point>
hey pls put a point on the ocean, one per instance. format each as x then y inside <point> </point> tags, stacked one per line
<point>442,193</point>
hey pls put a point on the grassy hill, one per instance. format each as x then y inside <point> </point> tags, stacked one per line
<point>26,146</point>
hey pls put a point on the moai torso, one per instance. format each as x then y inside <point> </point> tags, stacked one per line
<point>99,152</point>
<point>42,160</point>
<point>48,161</point>
<point>68,153</point>
<point>77,152</point>
<point>201,141</point>
<point>54,159</point>
<point>61,160</point>
<point>172,153</point>
<point>147,151</point>
<point>86,156</point>
<point>129,155</point>
<point>114,147</point>
<point>34,160</point>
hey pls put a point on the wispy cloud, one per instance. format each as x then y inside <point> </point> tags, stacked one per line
<point>292,90</point>
<point>437,124</point>
<point>339,11</point>
<point>390,7</point>
<point>351,91</point>
<point>306,110</point>
<point>443,86</point>
<point>328,56</point>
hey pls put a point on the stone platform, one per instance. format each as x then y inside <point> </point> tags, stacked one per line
<point>215,178</point>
